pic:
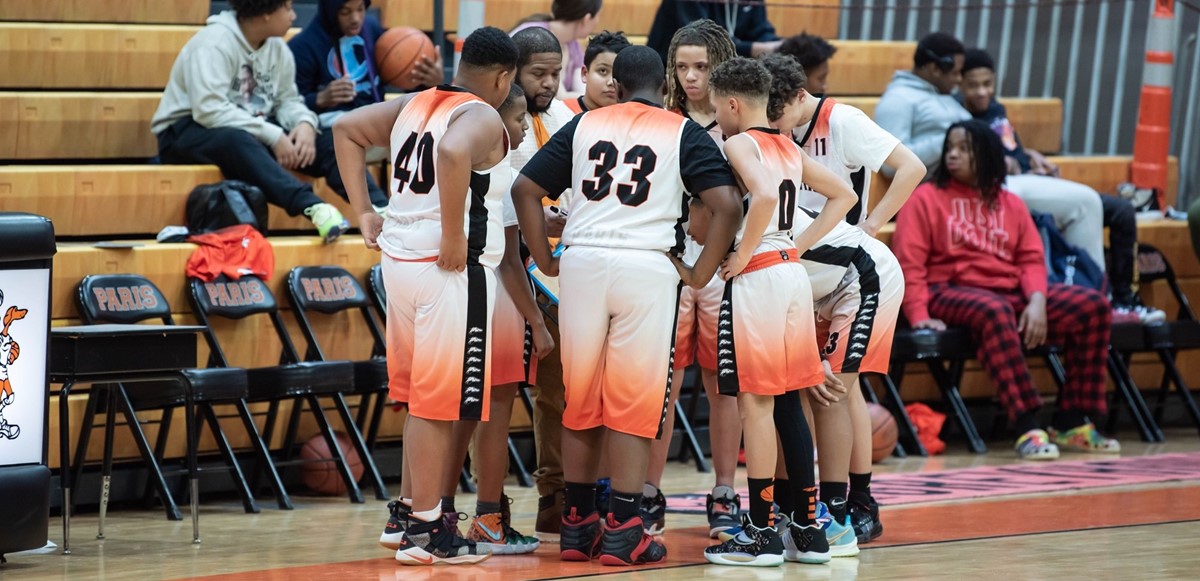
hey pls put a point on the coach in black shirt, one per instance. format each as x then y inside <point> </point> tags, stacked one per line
<point>752,34</point>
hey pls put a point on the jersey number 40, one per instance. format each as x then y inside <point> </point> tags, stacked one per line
<point>605,154</point>
<point>421,176</point>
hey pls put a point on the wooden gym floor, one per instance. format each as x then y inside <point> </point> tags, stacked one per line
<point>1144,532</point>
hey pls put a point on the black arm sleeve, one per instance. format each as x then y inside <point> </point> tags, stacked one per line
<point>701,163</point>
<point>551,166</point>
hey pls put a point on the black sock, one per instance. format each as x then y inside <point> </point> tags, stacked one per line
<point>783,496</point>
<point>762,495</point>
<point>1026,421</point>
<point>860,488</point>
<point>833,494</point>
<point>448,505</point>
<point>482,508</point>
<point>1068,419</point>
<point>797,447</point>
<point>580,497</point>
<point>624,505</point>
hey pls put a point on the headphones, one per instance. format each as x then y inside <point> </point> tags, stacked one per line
<point>945,63</point>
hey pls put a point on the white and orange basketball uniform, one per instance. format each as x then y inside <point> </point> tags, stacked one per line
<point>857,282</point>
<point>439,326</point>
<point>766,340</point>
<point>512,337</point>
<point>629,167</point>
<point>696,330</point>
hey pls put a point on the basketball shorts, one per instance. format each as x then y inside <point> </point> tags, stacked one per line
<point>857,321</point>
<point>439,336</point>
<point>696,332</point>
<point>766,339</point>
<point>512,343</point>
<point>617,319</point>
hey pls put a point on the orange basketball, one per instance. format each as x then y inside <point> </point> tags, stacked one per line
<point>396,53</point>
<point>323,477</point>
<point>883,432</point>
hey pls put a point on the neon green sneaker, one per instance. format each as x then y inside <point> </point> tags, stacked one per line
<point>1085,438</point>
<point>328,220</point>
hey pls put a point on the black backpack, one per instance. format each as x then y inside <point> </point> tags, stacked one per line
<point>211,207</point>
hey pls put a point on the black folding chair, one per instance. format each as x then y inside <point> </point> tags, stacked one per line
<point>1169,338</point>
<point>944,353</point>
<point>209,387</point>
<point>329,290</point>
<point>300,382</point>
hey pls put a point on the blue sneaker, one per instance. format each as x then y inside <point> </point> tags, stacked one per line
<point>842,541</point>
<point>734,531</point>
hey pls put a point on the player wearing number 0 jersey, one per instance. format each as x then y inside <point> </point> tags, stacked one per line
<point>628,167</point>
<point>441,240</point>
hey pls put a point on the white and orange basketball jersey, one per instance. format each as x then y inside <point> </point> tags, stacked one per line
<point>782,160</point>
<point>847,142</point>
<point>412,229</point>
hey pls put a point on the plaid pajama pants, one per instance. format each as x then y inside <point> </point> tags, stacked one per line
<point>1079,320</point>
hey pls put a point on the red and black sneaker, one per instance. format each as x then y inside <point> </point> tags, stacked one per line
<point>627,544</point>
<point>580,537</point>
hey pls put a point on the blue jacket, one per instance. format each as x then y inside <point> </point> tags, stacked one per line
<point>323,55</point>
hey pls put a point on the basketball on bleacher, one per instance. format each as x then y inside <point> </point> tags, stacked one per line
<point>323,477</point>
<point>396,53</point>
<point>883,432</point>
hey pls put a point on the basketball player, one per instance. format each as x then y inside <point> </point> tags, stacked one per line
<point>598,89</point>
<point>857,283</point>
<point>441,239</point>
<point>627,166</point>
<point>766,338</point>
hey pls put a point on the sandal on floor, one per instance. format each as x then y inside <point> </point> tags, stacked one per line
<point>1036,445</point>
<point>1085,438</point>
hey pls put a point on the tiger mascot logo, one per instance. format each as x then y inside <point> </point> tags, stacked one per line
<point>9,352</point>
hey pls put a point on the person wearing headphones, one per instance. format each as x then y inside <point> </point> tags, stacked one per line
<point>917,107</point>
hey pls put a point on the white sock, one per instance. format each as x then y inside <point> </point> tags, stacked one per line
<point>429,515</point>
<point>722,492</point>
<point>649,490</point>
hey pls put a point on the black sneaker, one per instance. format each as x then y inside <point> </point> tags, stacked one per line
<point>580,538</point>
<point>654,514</point>
<point>803,544</point>
<point>723,510</point>
<point>627,544</point>
<point>431,543</point>
<point>393,531</point>
<point>865,519</point>
<point>753,547</point>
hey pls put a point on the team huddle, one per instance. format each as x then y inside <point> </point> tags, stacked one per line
<point>715,233</point>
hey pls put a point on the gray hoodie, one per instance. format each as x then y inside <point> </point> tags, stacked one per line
<point>912,109</point>
<point>221,81</point>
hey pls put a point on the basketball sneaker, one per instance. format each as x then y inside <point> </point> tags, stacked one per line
<point>549,517</point>
<point>803,544</point>
<point>492,534</point>
<point>328,220</point>
<point>654,513</point>
<point>864,517</point>
<point>627,544</point>
<point>753,547</point>
<point>840,535</point>
<point>581,535</point>
<point>432,543</point>
<point>731,532</point>
<point>451,520</point>
<point>398,518</point>
<point>723,507</point>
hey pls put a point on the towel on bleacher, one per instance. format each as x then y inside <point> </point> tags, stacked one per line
<point>234,252</point>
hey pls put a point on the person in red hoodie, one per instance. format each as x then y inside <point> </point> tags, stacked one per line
<point>972,257</point>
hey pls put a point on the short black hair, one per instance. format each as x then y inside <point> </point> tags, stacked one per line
<point>977,58</point>
<point>514,92</point>
<point>787,79</point>
<point>742,77</point>
<point>251,8</point>
<point>639,68</point>
<point>606,41</point>
<point>535,40</point>
<point>987,154</point>
<point>937,47</point>
<point>490,47</point>
<point>810,50</point>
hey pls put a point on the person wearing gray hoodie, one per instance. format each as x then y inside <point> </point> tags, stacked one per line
<point>917,106</point>
<point>231,101</point>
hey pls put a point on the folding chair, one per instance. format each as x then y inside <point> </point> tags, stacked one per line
<point>300,382</point>
<point>1167,339</point>
<point>944,353</point>
<point>329,290</point>
<point>97,301</point>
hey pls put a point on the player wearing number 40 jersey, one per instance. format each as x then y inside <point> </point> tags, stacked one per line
<point>628,167</point>
<point>441,241</point>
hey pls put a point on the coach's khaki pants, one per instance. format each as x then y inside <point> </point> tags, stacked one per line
<point>548,406</point>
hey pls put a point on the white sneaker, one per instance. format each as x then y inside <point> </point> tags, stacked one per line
<point>328,220</point>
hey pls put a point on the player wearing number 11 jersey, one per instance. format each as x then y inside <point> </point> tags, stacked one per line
<point>628,167</point>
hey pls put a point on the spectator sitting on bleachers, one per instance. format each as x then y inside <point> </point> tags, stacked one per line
<point>752,34</point>
<point>972,257</point>
<point>813,54</point>
<point>570,21</point>
<point>1079,211</point>
<point>917,106</point>
<point>231,101</point>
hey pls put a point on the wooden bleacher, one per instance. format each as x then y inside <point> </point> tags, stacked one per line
<point>131,11</point>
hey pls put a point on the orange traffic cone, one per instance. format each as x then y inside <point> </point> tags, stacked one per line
<point>1152,140</point>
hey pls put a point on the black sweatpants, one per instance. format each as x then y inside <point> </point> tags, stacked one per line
<point>1121,221</point>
